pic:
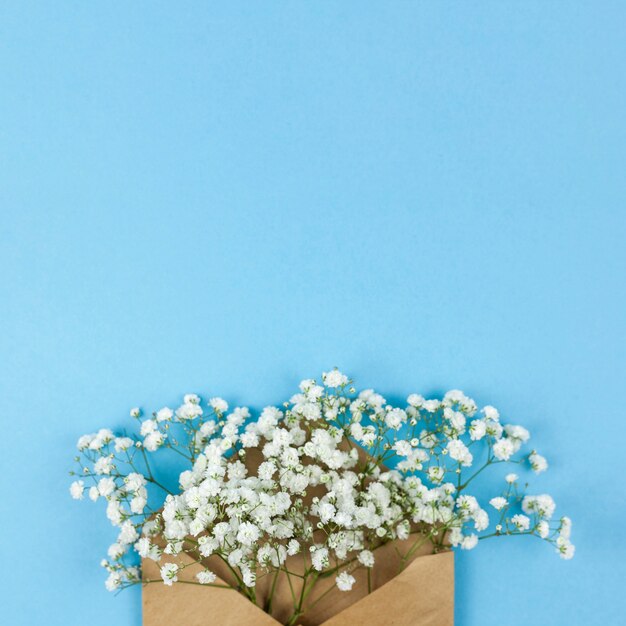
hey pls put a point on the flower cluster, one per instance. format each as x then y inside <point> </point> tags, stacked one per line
<point>331,476</point>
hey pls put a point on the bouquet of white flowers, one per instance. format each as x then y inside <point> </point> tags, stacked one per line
<point>329,496</point>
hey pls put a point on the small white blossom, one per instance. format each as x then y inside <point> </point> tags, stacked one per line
<point>206,577</point>
<point>538,463</point>
<point>76,489</point>
<point>319,558</point>
<point>565,548</point>
<point>521,522</point>
<point>459,452</point>
<point>164,415</point>
<point>477,429</point>
<point>395,418</point>
<point>104,465</point>
<point>469,542</point>
<point>113,582</point>
<point>491,413</point>
<point>566,527</point>
<point>415,400</point>
<point>188,411</point>
<point>169,573</point>
<point>248,533</point>
<point>334,379</point>
<point>542,505</point>
<point>106,486</point>
<point>498,503</point>
<point>345,581</point>
<point>219,405</point>
<point>84,441</point>
<point>366,558</point>
<point>123,443</point>
<point>518,433</point>
<point>153,441</point>
<point>503,449</point>
<point>543,529</point>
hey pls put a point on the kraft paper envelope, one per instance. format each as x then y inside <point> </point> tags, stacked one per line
<point>421,595</point>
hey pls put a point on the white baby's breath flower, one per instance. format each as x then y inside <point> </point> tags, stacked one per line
<point>542,505</point>
<point>142,547</point>
<point>106,486</point>
<point>565,529</point>
<point>565,548</point>
<point>113,582</point>
<point>477,429</point>
<point>128,533</point>
<point>104,465</point>
<point>431,405</point>
<point>503,449</point>
<point>319,558</point>
<point>188,411</point>
<point>248,533</point>
<point>293,547</point>
<point>395,418</point>
<point>491,413</point>
<point>366,558</point>
<point>459,452</point>
<point>543,529</point>
<point>436,474</point>
<point>206,577</point>
<point>517,432</point>
<point>469,542</point>
<point>537,462</point>
<point>219,405</point>
<point>164,415</point>
<point>498,503</point>
<point>76,489</point>
<point>521,522</point>
<point>115,551</point>
<point>415,400</point>
<point>262,490</point>
<point>169,573</point>
<point>147,427</point>
<point>249,578</point>
<point>84,441</point>
<point>153,441</point>
<point>345,581</point>
<point>123,443</point>
<point>481,519</point>
<point>334,379</point>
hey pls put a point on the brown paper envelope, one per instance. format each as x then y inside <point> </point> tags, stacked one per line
<point>421,595</point>
<point>423,592</point>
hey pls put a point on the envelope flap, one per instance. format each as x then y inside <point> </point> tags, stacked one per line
<point>421,595</point>
<point>190,604</point>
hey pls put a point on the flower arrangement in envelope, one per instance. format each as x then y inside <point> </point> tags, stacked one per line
<point>336,508</point>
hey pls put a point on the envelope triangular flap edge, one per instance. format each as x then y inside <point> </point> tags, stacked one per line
<point>421,595</point>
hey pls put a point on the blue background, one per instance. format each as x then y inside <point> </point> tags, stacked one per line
<point>228,197</point>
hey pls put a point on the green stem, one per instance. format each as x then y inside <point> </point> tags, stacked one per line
<point>471,478</point>
<point>268,604</point>
<point>186,582</point>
